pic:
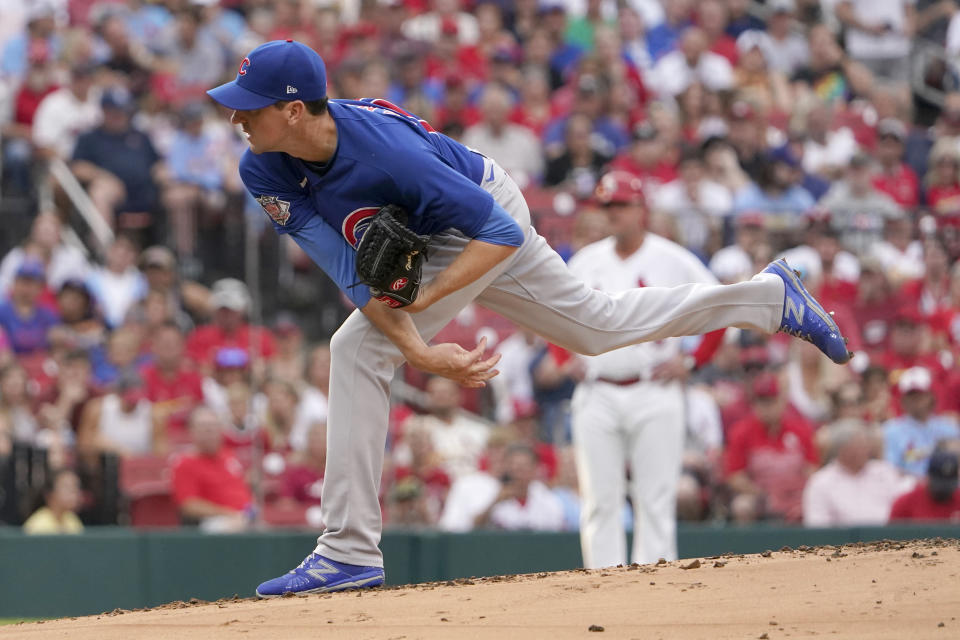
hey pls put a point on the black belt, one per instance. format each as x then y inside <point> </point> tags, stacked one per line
<point>621,383</point>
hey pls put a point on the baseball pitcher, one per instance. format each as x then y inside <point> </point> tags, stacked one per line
<point>324,169</point>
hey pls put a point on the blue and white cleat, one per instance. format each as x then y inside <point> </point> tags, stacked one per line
<point>317,574</point>
<point>804,318</point>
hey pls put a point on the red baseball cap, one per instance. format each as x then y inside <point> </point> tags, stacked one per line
<point>619,187</point>
<point>766,385</point>
<point>908,315</point>
<point>751,219</point>
<point>449,26</point>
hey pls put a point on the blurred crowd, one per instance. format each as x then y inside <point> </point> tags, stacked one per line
<point>141,383</point>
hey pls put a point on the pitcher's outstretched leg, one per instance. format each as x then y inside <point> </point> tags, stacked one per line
<point>805,318</point>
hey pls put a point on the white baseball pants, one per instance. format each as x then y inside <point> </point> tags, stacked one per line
<point>613,426</point>
<point>534,289</point>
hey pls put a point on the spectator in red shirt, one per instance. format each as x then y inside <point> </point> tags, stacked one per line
<point>64,401</point>
<point>946,323</point>
<point>38,82</point>
<point>769,457</point>
<point>712,18</point>
<point>647,157</point>
<point>455,113</point>
<point>208,484</point>
<point>244,430</point>
<point>838,270</point>
<point>931,293</point>
<point>302,481</point>
<point>449,58</point>
<point>874,307</point>
<point>908,337</point>
<point>419,462</point>
<point>534,109</point>
<point>171,383</point>
<point>526,424</point>
<point>896,178</point>
<point>230,300</point>
<point>936,499</point>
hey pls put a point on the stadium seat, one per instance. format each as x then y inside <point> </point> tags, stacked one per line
<point>285,514</point>
<point>145,482</point>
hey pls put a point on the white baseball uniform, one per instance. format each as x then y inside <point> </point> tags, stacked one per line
<point>621,417</point>
<point>534,289</point>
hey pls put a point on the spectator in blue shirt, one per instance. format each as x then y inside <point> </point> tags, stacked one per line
<point>793,151</point>
<point>41,25</point>
<point>590,100</point>
<point>193,157</point>
<point>195,191</point>
<point>149,24</point>
<point>663,38</point>
<point>410,86</point>
<point>25,322</point>
<point>910,439</point>
<point>564,55</point>
<point>775,191</point>
<point>121,158</point>
<point>741,20</point>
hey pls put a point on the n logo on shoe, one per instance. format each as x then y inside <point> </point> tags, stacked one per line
<point>322,570</point>
<point>795,309</point>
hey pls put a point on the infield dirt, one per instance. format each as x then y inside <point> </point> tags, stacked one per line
<point>875,591</point>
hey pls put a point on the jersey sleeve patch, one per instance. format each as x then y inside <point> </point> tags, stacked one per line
<point>277,209</point>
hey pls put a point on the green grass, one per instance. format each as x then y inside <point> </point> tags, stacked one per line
<point>4,621</point>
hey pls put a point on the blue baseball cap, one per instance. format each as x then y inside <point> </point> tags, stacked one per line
<point>276,71</point>
<point>231,358</point>
<point>31,269</point>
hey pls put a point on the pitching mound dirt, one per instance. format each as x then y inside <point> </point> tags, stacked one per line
<point>885,590</point>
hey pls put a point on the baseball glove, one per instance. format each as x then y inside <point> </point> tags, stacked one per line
<point>390,257</point>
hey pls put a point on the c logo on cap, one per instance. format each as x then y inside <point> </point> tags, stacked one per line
<point>244,65</point>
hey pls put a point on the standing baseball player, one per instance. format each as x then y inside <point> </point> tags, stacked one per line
<point>323,170</point>
<point>630,407</point>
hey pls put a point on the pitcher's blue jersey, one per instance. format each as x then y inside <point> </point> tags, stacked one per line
<point>384,156</point>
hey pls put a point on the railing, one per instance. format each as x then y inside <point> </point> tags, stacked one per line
<point>100,232</point>
<point>924,52</point>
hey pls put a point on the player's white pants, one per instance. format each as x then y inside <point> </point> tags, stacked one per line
<point>534,289</point>
<point>641,425</point>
